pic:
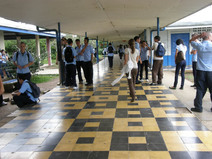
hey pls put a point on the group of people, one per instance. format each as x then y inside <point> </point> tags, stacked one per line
<point>4,58</point>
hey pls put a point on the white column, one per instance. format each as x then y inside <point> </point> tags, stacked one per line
<point>2,46</point>
<point>37,45</point>
<point>48,48</point>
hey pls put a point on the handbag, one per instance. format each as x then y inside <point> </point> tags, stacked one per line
<point>180,57</point>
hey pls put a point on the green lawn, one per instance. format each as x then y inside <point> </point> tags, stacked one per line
<point>45,61</point>
<point>43,78</point>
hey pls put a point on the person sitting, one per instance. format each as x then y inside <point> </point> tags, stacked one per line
<point>23,96</point>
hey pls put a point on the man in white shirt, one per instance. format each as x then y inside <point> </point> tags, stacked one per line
<point>157,64</point>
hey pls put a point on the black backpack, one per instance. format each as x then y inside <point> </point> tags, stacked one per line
<point>160,52</point>
<point>35,89</point>
<point>69,55</point>
<point>17,53</point>
<point>110,49</point>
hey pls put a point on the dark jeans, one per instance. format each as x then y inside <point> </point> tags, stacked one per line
<point>181,65</point>
<point>144,63</point>
<point>89,72</point>
<point>23,100</point>
<point>1,99</point>
<point>132,81</point>
<point>80,64</point>
<point>194,67</point>
<point>157,70</point>
<point>26,76</point>
<point>110,59</point>
<point>70,75</point>
<point>139,65</point>
<point>203,81</point>
<point>121,55</point>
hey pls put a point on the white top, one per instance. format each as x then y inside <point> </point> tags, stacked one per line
<point>154,47</point>
<point>182,48</point>
<point>133,56</point>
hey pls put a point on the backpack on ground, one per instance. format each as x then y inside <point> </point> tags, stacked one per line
<point>35,89</point>
<point>69,55</point>
<point>160,52</point>
<point>110,49</point>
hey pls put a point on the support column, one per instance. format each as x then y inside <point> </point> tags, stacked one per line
<point>48,48</point>
<point>2,46</point>
<point>37,45</point>
<point>97,50</point>
<point>86,34</point>
<point>18,38</point>
<point>158,26</point>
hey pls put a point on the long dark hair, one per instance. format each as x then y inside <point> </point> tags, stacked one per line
<point>179,41</point>
<point>131,43</point>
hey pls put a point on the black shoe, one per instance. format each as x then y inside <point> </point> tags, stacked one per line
<point>6,99</point>
<point>159,83</point>
<point>181,88</point>
<point>3,104</point>
<point>138,82</point>
<point>132,100</point>
<point>193,85</point>
<point>196,110</point>
<point>80,82</point>
<point>89,84</point>
<point>152,84</point>
<point>172,87</point>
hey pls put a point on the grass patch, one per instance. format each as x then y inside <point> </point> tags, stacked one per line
<point>45,61</point>
<point>43,78</point>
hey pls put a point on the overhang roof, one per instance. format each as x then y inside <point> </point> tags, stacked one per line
<point>109,19</point>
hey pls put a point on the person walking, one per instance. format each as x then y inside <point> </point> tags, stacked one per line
<point>144,54</point>
<point>110,51</point>
<point>79,60</point>
<point>132,54</point>
<point>204,68</point>
<point>137,46</point>
<point>23,60</point>
<point>180,60</point>
<point>69,54</point>
<point>121,52</point>
<point>157,69</point>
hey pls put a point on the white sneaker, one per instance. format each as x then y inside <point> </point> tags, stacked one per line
<point>141,80</point>
<point>67,87</point>
<point>147,80</point>
<point>75,88</point>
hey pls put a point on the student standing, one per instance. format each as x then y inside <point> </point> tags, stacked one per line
<point>137,46</point>
<point>180,65</point>
<point>79,60</point>
<point>69,54</point>
<point>88,52</point>
<point>157,69</point>
<point>204,68</point>
<point>23,60</point>
<point>133,54</point>
<point>144,58</point>
<point>110,51</point>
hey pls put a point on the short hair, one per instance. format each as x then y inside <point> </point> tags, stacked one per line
<point>63,38</point>
<point>157,38</point>
<point>21,77</point>
<point>70,41</point>
<point>77,40</point>
<point>143,41</point>
<point>179,41</point>
<point>136,38</point>
<point>110,44</point>
<point>86,38</point>
<point>23,43</point>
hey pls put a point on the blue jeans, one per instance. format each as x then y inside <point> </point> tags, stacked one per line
<point>203,81</point>
<point>181,65</point>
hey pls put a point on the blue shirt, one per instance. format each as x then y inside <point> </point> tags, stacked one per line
<point>79,57</point>
<point>194,57</point>
<point>74,54</point>
<point>22,61</point>
<point>137,46</point>
<point>87,53</point>
<point>204,58</point>
<point>110,53</point>
<point>144,54</point>
<point>25,88</point>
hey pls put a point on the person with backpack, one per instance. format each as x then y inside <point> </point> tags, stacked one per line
<point>110,51</point>
<point>121,52</point>
<point>26,95</point>
<point>180,60</point>
<point>23,60</point>
<point>70,54</point>
<point>137,46</point>
<point>157,70</point>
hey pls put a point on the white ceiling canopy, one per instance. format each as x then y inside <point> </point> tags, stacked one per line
<point>112,20</point>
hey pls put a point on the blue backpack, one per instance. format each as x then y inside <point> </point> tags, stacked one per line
<point>160,52</point>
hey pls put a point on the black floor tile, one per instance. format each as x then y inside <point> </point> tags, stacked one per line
<point>60,154</point>
<point>85,140</point>
<point>118,140</point>
<point>191,140</point>
<point>156,147</point>
<point>135,124</point>
<point>137,147</point>
<point>154,140</point>
<point>97,113</point>
<point>200,155</point>
<point>98,155</point>
<point>179,155</point>
<point>119,147</point>
<point>136,134</point>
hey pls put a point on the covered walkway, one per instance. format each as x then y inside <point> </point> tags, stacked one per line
<point>100,122</point>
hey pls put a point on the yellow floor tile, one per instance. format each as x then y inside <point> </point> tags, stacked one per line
<point>118,154</point>
<point>159,155</point>
<point>92,124</point>
<point>139,155</point>
<point>163,97</point>
<point>196,147</point>
<point>176,147</point>
<point>133,112</point>
<point>137,140</point>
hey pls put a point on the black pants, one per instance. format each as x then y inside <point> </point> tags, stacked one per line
<point>121,55</point>
<point>80,64</point>
<point>71,75</point>
<point>194,67</point>
<point>144,63</point>
<point>203,81</point>
<point>89,72</point>
<point>181,65</point>
<point>139,65</point>
<point>23,100</point>
<point>1,99</point>
<point>110,59</point>
<point>26,76</point>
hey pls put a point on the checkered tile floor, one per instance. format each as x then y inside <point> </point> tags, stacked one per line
<point>100,122</point>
